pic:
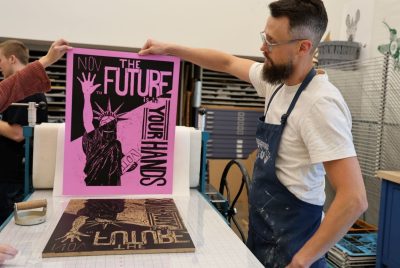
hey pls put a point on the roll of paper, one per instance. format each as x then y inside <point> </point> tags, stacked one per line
<point>195,157</point>
<point>58,175</point>
<point>181,160</point>
<point>44,155</point>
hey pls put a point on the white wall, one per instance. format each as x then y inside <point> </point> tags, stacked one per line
<point>334,9</point>
<point>230,25</point>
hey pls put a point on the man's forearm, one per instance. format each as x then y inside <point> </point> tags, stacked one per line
<point>206,58</point>
<point>350,201</point>
<point>13,132</point>
<point>32,79</point>
<point>343,212</point>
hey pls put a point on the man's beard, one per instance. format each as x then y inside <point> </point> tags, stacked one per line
<point>277,73</point>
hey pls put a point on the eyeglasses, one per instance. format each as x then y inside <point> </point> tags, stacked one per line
<point>271,45</point>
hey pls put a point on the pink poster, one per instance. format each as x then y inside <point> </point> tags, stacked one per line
<point>120,123</point>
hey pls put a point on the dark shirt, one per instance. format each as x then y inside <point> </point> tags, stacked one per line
<point>12,153</point>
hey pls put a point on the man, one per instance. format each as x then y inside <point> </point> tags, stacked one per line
<point>32,78</point>
<point>14,56</point>
<point>25,82</point>
<point>306,131</point>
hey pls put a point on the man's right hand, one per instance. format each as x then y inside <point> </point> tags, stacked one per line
<point>154,47</point>
<point>56,51</point>
<point>7,252</point>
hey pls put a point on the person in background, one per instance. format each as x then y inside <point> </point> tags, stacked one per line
<point>31,79</point>
<point>304,134</point>
<point>21,80</point>
<point>14,56</point>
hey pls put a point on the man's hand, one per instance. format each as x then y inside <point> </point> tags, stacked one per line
<point>7,252</point>
<point>56,51</point>
<point>297,263</point>
<point>87,84</point>
<point>154,47</point>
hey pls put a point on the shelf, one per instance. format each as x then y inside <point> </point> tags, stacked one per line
<point>230,103</point>
<point>393,176</point>
<point>57,81</point>
<point>53,87</point>
<point>226,90</point>
<point>56,96</point>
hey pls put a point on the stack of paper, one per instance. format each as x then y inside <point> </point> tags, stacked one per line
<point>354,250</point>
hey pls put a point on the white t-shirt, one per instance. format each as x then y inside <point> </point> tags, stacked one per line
<point>317,130</point>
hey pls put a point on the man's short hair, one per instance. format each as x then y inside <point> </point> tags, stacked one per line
<point>307,18</point>
<point>16,48</point>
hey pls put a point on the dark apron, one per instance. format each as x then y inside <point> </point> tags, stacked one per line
<point>279,222</point>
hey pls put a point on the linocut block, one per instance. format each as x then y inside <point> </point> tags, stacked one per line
<point>118,226</point>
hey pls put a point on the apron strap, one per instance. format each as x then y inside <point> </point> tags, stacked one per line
<point>303,86</point>
<point>273,95</point>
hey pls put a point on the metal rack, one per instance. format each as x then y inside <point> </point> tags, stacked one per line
<point>226,90</point>
<point>371,89</point>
